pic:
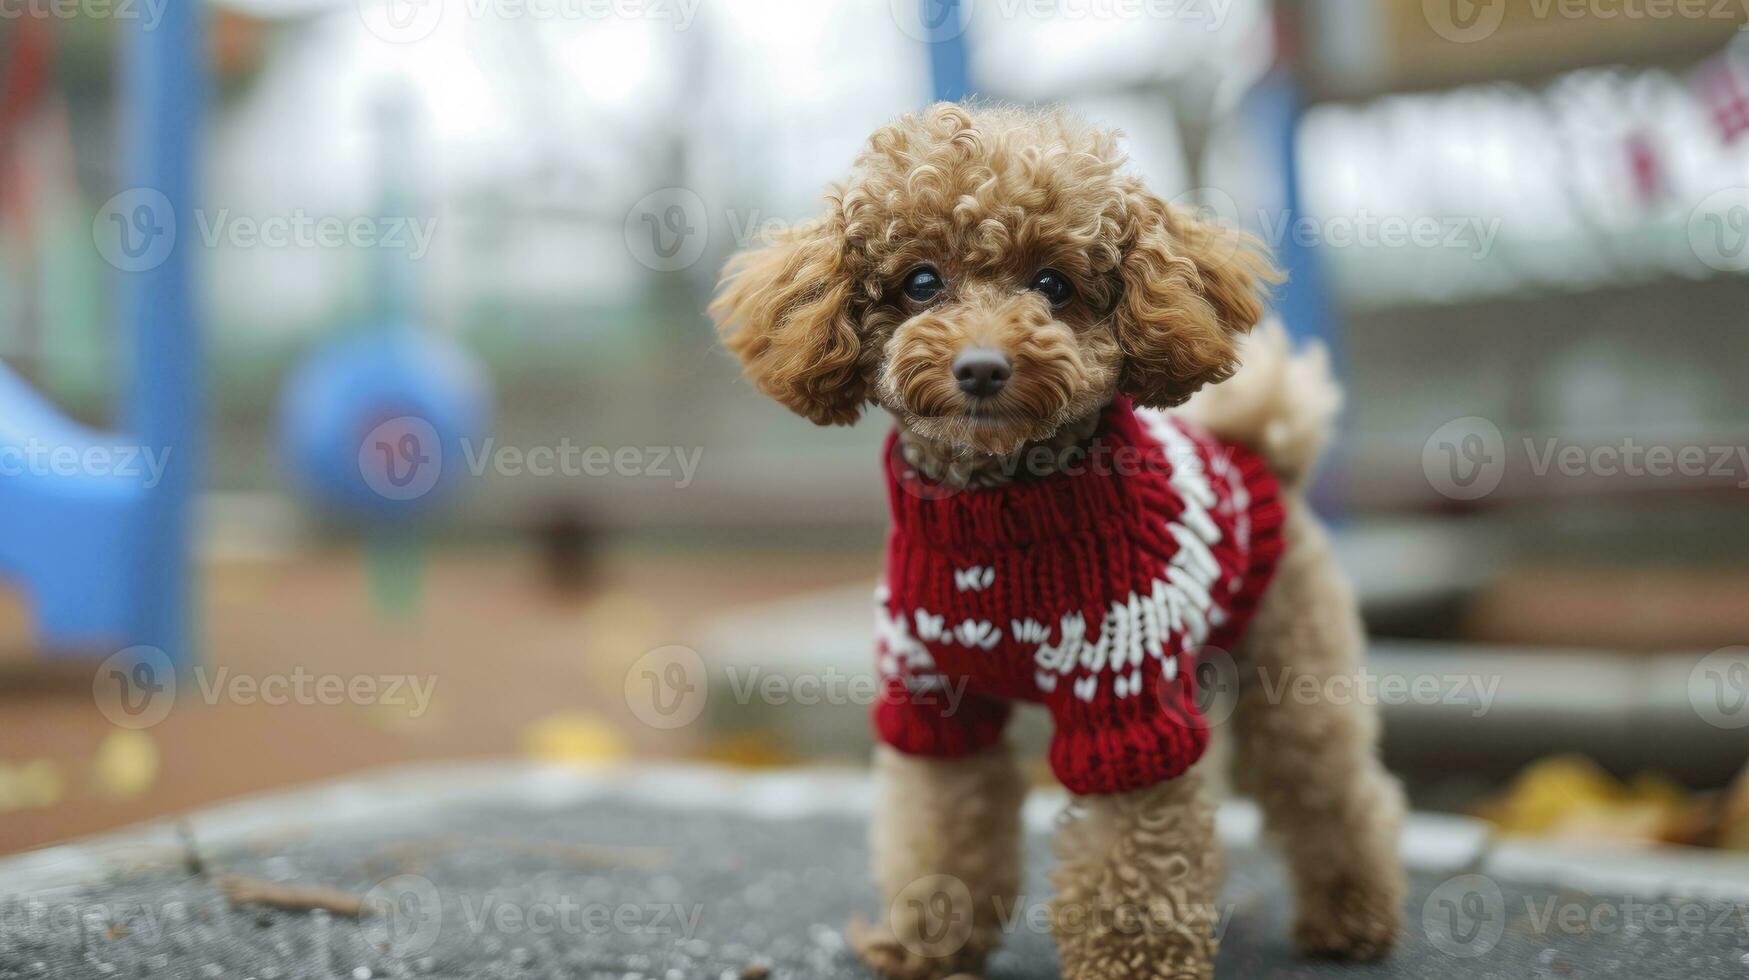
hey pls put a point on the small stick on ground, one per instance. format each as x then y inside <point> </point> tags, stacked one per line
<point>191,859</point>
<point>243,890</point>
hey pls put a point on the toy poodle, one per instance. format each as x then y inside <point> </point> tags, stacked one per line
<point>1027,311</point>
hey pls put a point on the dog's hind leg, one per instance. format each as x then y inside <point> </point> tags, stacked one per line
<point>1306,748</point>
<point>946,849</point>
<point>1137,878</point>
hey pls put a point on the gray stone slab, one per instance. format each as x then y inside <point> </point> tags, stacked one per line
<point>561,884</point>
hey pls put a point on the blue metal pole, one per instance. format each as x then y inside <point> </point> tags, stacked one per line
<point>1304,300</point>
<point>944,21</point>
<point>163,99</point>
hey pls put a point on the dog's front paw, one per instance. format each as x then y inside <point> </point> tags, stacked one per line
<point>1350,920</point>
<point>1119,967</point>
<point>886,955</point>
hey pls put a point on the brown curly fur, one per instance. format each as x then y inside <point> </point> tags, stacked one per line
<point>990,197</point>
<point>1141,874</point>
<point>955,817</point>
<point>1310,762</point>
<point>1162,302</point>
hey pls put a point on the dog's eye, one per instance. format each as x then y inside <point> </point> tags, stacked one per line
<point>1054,286</point>
<point>923,284</point>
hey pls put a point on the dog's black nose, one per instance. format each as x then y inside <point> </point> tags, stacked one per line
<point>981,371</point>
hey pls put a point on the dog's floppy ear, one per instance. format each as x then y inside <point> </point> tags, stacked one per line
<point>785,310</point>
<point>1190,288</point>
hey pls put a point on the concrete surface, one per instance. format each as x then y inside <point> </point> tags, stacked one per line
<point>523,871</point>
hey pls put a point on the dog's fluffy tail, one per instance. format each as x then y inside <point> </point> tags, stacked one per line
<point>1280,403</point>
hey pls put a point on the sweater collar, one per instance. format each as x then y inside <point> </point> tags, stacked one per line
<point>1089,491</point>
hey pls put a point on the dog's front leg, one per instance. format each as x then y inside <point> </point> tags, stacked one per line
<point>1137,878</point>
<point>945,844</point>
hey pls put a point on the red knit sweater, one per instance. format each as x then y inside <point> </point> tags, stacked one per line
<point>1089,591</point>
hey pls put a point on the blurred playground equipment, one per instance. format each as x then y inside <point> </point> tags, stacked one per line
<point>377,424</point>
<point>96,540</point>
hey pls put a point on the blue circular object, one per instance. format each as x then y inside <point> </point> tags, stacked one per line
<point>379,426</point>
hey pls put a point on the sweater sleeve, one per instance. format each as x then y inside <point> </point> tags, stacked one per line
<point>920,709</point>
<point>940,719</point>
<point>1110,744</point>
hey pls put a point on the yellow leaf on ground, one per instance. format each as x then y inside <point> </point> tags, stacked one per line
<point>574,736</point>
<point>1570,796</point>
<point>126,765</point>
<point>36,783</point>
